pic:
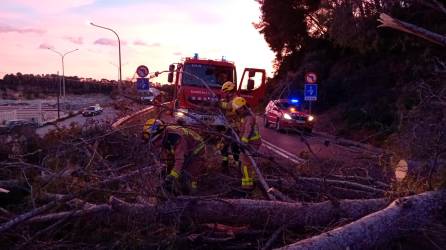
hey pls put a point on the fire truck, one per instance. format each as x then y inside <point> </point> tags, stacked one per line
<point>197,88</point>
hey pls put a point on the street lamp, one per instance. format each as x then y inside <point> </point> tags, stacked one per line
<point>63,66</point>
<point>119,47</point>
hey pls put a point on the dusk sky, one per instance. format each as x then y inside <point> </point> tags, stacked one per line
<point>153,32</point>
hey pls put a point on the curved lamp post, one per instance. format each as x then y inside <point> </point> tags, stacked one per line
<point>119,47</point>
<point>63,66</point>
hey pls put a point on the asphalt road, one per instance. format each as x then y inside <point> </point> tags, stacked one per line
<point>319,147</point>
<point>108,115</point>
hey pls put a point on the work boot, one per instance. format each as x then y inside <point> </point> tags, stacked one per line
<point>170,185</point>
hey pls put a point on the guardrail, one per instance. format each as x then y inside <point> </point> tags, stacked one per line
<point>123,120</point>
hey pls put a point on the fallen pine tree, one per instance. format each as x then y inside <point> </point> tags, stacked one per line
<point>403,216</point>
<point>258,213</point>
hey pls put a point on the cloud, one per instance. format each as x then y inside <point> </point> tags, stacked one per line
<point>142,43</point>
<point>177,54</point>
<point>108,42</point>
<point>76,40</point>
<point>48,6</point>
<point>46,46</point>
<point>6,29</point>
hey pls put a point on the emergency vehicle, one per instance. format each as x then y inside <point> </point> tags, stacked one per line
<point>197,88</point>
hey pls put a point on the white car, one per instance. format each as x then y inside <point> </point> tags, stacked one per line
<point>92,110</point>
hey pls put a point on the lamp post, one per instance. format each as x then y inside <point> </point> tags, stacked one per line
<point>63,67</point>
<point>119,47</point>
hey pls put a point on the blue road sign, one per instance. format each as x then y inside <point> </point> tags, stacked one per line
<point>310,92</point>
<point>142,84</point>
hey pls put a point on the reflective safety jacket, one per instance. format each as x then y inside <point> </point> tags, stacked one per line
<point>230,114</point>
<point>183,144</point>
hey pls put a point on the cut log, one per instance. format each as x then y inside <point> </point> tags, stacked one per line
<point>400,217</point>
<point>272,214</point>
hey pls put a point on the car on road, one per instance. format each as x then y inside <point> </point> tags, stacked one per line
<point>147,98</point>
<point>92,110</point>
<point>12,125</point>
<point>287,114</point>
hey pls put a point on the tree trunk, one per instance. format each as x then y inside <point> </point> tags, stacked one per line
<point>248,212</point>
<point>400,217</point>
<point>390,22</point>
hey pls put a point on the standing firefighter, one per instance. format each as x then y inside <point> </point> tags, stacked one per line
<point>229,89</point>
<point>250,135</point>
<point>183,149</point>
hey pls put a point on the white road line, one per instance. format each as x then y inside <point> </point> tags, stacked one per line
<point>282,152</point>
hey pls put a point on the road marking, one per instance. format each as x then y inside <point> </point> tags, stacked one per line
<point>282,152</point>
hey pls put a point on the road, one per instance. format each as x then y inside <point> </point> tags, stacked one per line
<point>108,115</point>
<point>339,154</point>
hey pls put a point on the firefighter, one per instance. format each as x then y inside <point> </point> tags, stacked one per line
<point>229,90</point>
<point>183,149</point>
<point>250,135</point>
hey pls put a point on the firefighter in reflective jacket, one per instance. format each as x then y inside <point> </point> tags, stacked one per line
<point>229,90</point>
<point>183,148</point>
<point>250,135</point>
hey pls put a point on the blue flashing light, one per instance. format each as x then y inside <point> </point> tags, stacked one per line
<point>294,100</point>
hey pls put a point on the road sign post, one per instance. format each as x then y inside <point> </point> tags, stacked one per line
<point>142,71</point>
<point>142,84</point>
<point>310,88</point>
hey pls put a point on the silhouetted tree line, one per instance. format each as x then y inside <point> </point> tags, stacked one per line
<point>371,72</point>
<point>35,85</point>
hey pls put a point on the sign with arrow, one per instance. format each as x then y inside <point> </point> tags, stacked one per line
<point>310,92</point>
<point>310,77</point>
<point>142,71</point>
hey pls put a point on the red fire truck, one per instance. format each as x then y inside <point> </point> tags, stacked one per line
<point>198,82</point>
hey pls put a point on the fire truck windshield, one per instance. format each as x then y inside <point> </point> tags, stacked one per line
<point>213,75</point>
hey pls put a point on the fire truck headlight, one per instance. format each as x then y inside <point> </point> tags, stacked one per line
<point>310,118</point>
<point>179,114</point>
<point>287,117</point>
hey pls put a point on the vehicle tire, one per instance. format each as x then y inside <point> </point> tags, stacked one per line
<point>265,122</point>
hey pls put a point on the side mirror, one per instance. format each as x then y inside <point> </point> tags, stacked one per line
<point>252,74</point>
<point>170,77</point>
<point>171,67</point>
<point>250,85</point>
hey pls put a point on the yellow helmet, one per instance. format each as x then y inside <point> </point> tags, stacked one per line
<point>152,128</point>
<point>228,87</point>
<point>238,103</point>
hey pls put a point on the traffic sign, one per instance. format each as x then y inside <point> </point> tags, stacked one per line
<point>310,77</point>
<point>310,92</point>
<point>142,71</point>
<point>142,84</point>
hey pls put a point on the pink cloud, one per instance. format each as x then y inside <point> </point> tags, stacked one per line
<point>6,29</point>
<point>76,40</point>
<point>142,43</point>
<point>108,42</point>
<point>46,46</point>
<point>47,6</point>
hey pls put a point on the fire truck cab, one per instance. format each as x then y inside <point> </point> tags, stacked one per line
<point>197,88</point>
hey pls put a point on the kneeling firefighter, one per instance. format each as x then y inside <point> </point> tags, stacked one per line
<point>183,149</point>
<point>250,135</point>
